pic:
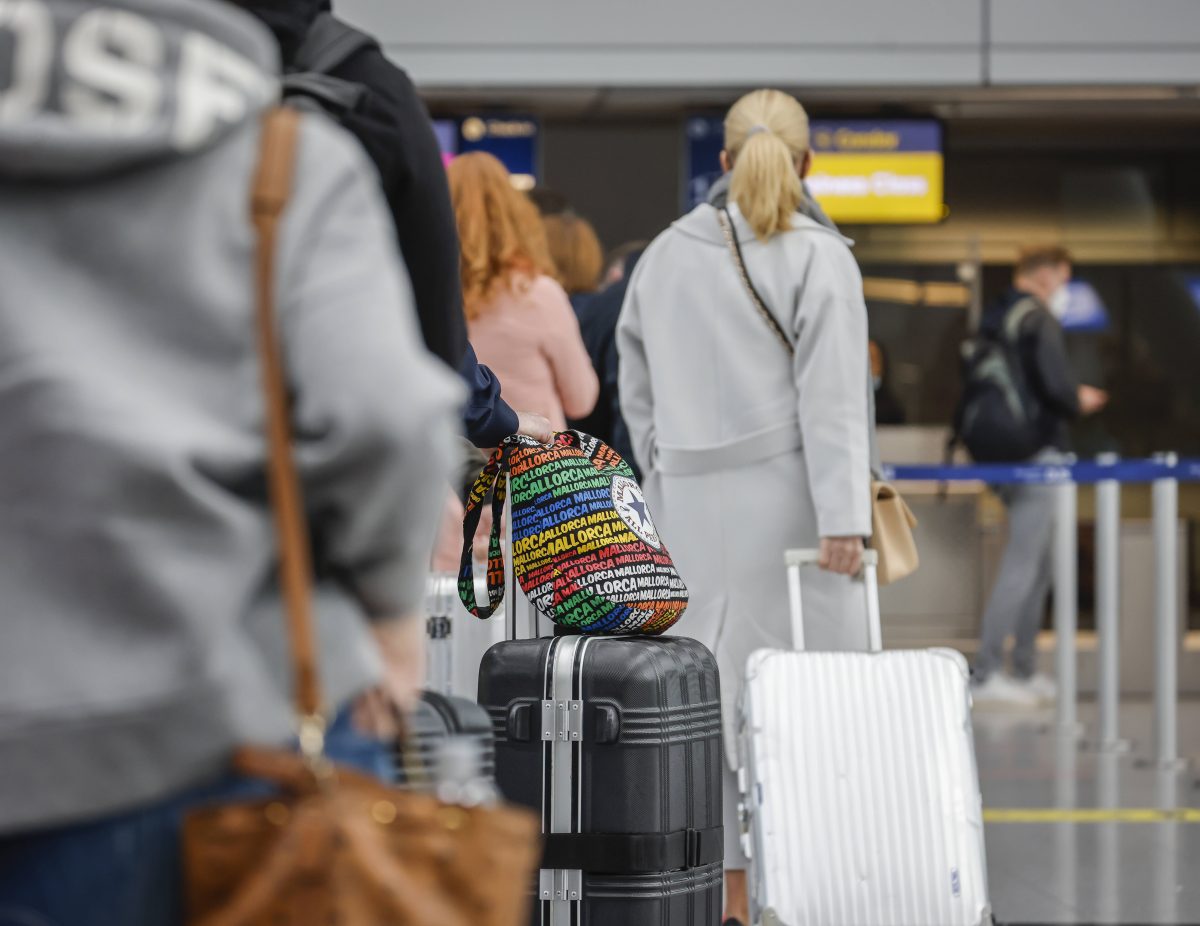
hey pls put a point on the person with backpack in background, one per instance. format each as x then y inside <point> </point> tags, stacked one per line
<point>142,636</point>
<point>331,65</point>
<point>1019,396</point>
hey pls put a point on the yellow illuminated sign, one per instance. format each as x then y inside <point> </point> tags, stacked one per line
<point>878,187</point>
<point>874,172</point>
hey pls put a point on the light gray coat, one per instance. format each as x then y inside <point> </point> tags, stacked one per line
<point>746,452</point>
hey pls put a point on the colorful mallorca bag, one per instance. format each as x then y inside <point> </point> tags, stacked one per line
<point>585,549</point>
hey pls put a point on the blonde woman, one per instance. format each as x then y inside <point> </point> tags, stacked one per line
<point>753,432</point>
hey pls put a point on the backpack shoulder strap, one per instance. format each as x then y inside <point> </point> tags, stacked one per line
<point>320,91</point>
<point>1016,316</point>
<point>329,42</point>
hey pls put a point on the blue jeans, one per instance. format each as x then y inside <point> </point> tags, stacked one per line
<point>125,870</point>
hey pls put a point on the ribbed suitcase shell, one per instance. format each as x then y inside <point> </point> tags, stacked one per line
<point>662,774</point>
<point>861,790</point>
<point>672,898</point>
<point>436,718</point>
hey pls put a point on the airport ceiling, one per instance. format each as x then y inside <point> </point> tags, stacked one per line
<point>1156,103</point>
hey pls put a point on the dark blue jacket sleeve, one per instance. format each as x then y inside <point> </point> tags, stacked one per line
<point>487,418</point>
<point>1053,379</point>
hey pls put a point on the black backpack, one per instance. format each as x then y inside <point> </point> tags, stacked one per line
<point>996,418</point>
<point>308,84</point>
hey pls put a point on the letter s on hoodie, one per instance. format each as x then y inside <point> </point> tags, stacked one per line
<point>112,58</point>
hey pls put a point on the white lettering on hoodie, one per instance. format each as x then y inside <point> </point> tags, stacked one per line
<point>113,58</point>
<point>114,74</point>
<point>216,85</point>
<point>31,29</point>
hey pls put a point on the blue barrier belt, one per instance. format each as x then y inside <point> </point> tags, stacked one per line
<point>1083,472</point>
<point>1189,470</point>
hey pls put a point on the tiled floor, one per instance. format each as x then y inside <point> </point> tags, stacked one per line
<point>1098,872</point>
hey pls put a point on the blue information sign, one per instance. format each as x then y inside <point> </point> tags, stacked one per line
<point>512,139</point>
<point>1192,282</point>
<point>1085,310</point>
<point>705,139</point>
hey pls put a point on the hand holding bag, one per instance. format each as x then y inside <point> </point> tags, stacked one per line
<point>892,521</point>
<point>336,846</point>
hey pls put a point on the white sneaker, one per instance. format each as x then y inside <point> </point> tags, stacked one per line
<point>999,692</point>
<point>1042,685</point>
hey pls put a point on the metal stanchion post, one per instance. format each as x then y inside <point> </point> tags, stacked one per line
<point>1168,852</point>
<point>1166,619</point>
<point>1066,835</point>
<point>1108,529</point>
<point>1108,849</point>
<point>1066,618</point>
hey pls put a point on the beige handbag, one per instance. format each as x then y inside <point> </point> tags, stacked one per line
<point>892,521</point>
<point>892,524</point>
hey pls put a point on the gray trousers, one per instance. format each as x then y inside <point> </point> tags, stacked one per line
<point>1018,601</point>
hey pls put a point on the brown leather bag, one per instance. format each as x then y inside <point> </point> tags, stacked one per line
<point>336,846</point>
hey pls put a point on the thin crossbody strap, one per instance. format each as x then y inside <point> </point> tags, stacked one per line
<point>735,249</point>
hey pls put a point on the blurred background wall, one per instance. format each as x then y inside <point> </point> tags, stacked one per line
<point>704,43</point>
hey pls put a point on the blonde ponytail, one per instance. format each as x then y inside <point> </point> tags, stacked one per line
<point>766,134</point>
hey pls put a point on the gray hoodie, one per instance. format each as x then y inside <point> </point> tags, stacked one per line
<point>140,634</point>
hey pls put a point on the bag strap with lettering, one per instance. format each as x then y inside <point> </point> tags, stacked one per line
<point>492,478</point>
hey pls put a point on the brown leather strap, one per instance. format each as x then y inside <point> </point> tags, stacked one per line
<point>272,187</point>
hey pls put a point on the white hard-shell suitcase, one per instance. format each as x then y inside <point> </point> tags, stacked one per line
<point>861,802</point>
<point>441,609</point>
<point>455,641</point>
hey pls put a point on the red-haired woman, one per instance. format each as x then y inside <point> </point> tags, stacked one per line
<point>518,317</point>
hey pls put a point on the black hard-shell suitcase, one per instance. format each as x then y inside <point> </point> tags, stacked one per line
<point>616,741</point>
<point>436,718</point>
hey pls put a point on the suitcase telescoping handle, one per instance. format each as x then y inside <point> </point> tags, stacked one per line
<point>802,559</point>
